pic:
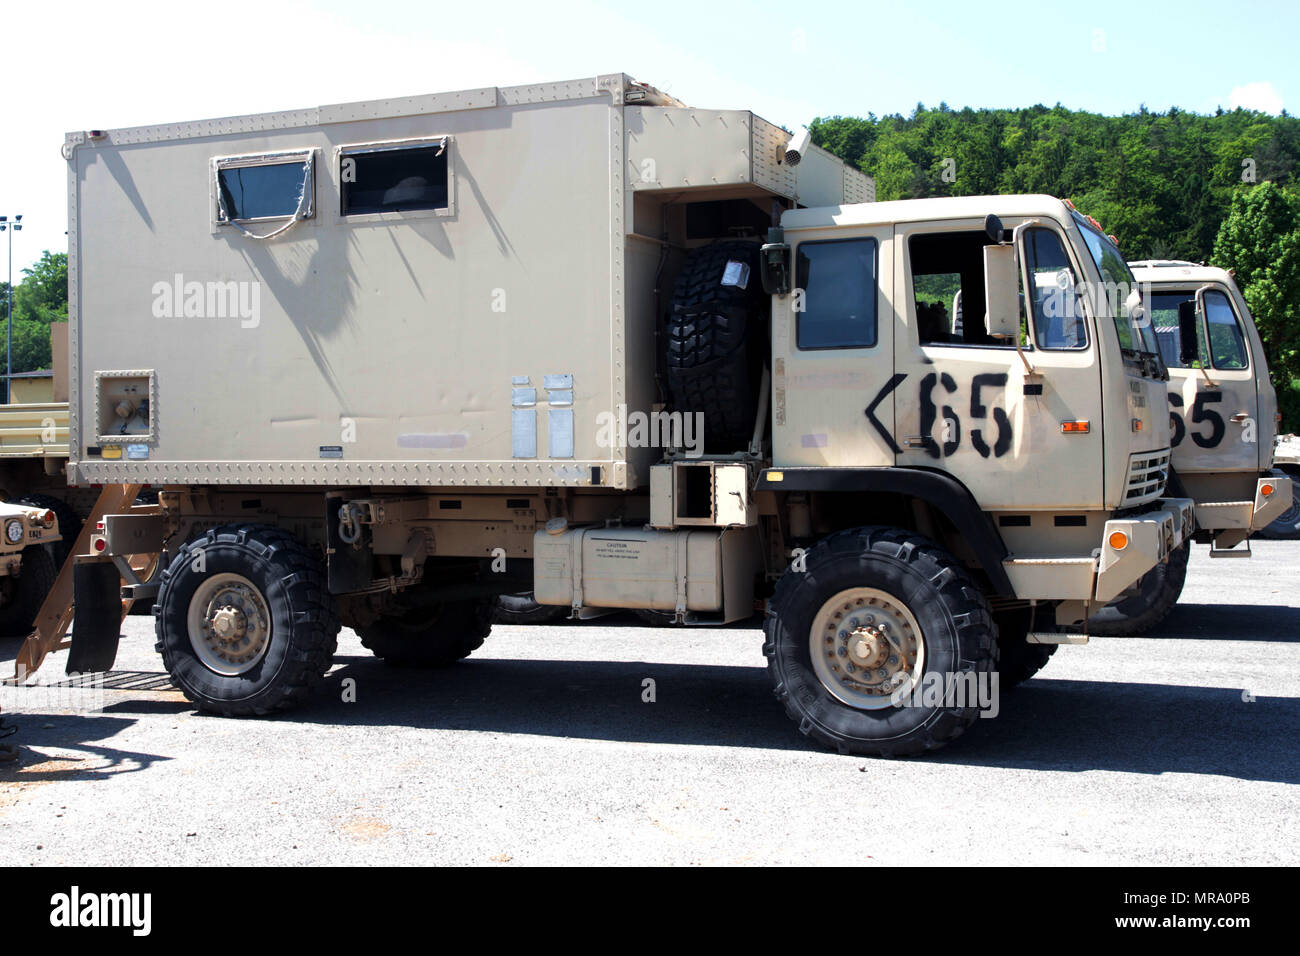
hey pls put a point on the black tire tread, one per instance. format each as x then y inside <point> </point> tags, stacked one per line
<point>523,608</point>
<point>970,611</point>
<point>39,569</point>
<point>1132,615</point>
<point>457,632</point>
<point>313,609</point>
<point>712,339</point>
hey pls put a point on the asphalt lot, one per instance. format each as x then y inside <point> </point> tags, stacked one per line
<point>1175,749</point>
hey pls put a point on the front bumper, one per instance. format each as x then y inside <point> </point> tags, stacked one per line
<point>1149,539</point>
<point>1247,516</point>
<point>1099,576</point>
<point>29,526</point>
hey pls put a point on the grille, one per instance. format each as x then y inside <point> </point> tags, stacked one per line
<point>1147,472</point>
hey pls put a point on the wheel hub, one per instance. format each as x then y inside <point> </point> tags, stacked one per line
<point>865,645</point>
<point>229,624</point>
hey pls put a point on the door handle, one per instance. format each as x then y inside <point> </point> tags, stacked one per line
<point>1240,418</point>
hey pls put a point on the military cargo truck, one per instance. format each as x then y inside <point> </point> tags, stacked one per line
<point>1223,416</point>
<point>389,360</point>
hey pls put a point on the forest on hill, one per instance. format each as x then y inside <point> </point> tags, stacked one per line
<point>1219,188</point>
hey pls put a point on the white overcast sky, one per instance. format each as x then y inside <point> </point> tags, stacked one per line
<point>110,64</point>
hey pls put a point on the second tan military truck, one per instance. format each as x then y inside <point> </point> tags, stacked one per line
<point>1223,418</point>
<point>389,360</point>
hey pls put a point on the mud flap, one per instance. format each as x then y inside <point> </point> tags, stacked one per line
<point>97,621</point>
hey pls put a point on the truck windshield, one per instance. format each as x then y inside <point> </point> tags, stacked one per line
<point>1118,282</point>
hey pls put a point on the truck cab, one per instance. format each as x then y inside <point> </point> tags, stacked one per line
<point>883,359</point>
<point>1222,406</point>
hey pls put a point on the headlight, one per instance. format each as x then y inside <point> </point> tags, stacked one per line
<point>14,531</point>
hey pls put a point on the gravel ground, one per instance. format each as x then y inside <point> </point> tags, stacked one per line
<point>1174,749</point>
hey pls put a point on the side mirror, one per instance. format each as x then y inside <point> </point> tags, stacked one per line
<point>774,263</point>
<point>993,228</point>
<point>1188,353</point>
<point>1001,292</point>
<point>1136,310</point>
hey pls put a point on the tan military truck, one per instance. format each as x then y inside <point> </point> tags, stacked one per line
<point>389,360</point>
<point>28,564</point>
<point>1223,416</point>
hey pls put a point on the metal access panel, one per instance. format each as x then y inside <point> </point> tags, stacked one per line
<point>472,342</point>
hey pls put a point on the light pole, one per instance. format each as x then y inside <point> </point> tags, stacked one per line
<point>9,308</point>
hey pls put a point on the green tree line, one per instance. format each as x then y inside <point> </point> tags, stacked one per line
<point>1223,189</point>
<point>41,298</point>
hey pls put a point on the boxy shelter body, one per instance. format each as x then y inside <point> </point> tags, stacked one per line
<point>442,290</point>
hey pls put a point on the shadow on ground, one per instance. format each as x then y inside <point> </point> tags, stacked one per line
<point>1232,622</point>
<point>1062,725</point>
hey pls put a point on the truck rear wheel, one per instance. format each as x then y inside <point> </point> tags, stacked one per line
<point>245,623</point>
<point>1157,593</point>
<point>865,645</point>
<point>22,594</point>
<point>433,635</point>
<point>522,608</point>
<point>715,341</point>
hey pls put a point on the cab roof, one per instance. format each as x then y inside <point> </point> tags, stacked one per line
<point>1157,271</point>
<point>924,210</point>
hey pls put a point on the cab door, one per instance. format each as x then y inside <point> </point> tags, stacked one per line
<point>1215,410</point>
<point>1020,430</point>
<point>833,351</point>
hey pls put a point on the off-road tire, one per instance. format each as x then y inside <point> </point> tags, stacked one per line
<point>1158,592</point>
<point>951,612</point>
<point>23,594</point>
<point>715,339</point>
<point>433,635</point>
<point>304,623</point>
<point>1018,660</point>
<point>522,608</point>
<point>69,523</point>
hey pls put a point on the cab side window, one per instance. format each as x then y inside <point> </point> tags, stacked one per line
<point>1058,305</point>
<point>1227,344</point>
<point>837,279</point>
<point>948,288</point>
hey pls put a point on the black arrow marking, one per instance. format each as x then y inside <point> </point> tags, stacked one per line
<point>881,395</point>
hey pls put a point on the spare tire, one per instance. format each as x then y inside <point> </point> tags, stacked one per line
<point>716,340</point>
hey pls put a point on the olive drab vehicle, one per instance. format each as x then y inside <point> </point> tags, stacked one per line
<point>390,360</point>
<point>1223,414</point>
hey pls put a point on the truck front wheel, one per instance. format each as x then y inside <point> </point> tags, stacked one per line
<point>245,623</point>
<point>879,643</point>
<point>1155,596</point>
<point>432,635</point>
<point>22,594</point>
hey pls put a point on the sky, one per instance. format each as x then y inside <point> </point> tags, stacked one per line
<point>72,65</point>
